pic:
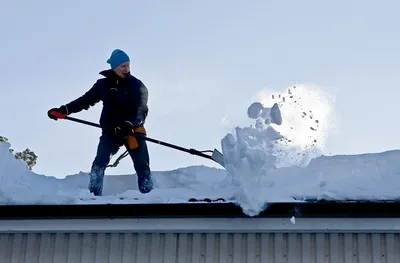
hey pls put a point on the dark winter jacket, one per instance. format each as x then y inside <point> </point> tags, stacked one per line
<point>123,100</point>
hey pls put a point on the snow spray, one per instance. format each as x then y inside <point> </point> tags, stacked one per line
<point>250,153</point>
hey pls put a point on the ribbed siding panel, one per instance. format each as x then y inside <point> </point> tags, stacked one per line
<point>158,248</point>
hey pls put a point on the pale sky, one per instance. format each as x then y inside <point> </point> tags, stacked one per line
<point>202,61</point>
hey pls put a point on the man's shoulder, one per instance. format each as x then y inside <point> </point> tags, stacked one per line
<point>100,84</point>
<point>136,81</point>
<point>101,81</point>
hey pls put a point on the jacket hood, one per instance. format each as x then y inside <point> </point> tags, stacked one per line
<point>109,73</point>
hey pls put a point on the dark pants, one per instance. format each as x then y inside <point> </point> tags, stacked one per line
<point>109,146</point>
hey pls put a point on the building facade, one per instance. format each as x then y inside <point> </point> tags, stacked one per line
<point>283,233</point>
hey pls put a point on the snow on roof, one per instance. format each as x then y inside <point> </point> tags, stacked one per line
<point>263,164</point>
<point>357,177</point>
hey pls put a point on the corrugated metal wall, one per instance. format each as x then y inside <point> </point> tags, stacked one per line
<point>280,247</point>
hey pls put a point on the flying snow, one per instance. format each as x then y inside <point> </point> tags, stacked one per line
<point>309,118</point>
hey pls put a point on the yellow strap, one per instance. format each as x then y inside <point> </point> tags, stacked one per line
<point>140,129</point>
<point>132,141</point>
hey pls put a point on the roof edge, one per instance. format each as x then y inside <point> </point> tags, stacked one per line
<point>202,210</point>
<point>204,225</point>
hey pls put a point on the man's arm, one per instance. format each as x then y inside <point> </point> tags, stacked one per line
<point>90,98</point>
<point>141,106</point>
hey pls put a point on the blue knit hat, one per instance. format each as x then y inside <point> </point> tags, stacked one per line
<point>117,58</point>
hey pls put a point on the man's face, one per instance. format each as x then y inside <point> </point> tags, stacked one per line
<point>123,69</point>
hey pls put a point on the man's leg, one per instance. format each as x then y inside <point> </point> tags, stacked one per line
<point>106,148</point>
<point>141,163</point>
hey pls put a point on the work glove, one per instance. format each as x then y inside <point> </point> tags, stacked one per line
<point>61,110</point>
<point>124,130</point>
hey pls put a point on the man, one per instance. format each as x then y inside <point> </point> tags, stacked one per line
<point>124,110</point>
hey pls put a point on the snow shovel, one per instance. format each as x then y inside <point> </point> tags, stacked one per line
<point>215,156</point>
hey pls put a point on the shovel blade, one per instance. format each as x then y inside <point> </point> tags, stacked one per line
<point>218,157</point>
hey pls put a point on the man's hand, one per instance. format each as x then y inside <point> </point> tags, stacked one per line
<point>124,130</point>
<point>61,110</point>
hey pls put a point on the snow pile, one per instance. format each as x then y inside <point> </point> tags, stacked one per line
<point>18,185</point>
<point>348,177</point>
<point>355,177</point>
<point>176,186</point>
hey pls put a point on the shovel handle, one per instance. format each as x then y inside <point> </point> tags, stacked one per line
<point>191,151</point>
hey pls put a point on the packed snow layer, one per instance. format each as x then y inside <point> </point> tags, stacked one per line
<point>281,162</point>
<point>357,177</point>
<point>19,185</point>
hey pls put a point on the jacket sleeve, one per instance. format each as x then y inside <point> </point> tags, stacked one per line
<point>141,105</point>
<point>90,98</point>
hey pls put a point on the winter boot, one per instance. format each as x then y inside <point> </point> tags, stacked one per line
<point>145,182</point>
<point>96,180</point>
